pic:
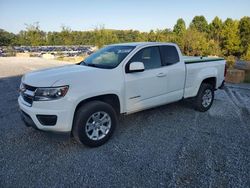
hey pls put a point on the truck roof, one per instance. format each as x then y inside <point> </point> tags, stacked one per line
<point>142,43</point>
<point>187,59</point>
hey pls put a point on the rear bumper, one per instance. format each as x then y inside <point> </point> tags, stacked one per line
<point>222,85</point>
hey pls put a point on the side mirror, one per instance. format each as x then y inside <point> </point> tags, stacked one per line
<point>136,67</point>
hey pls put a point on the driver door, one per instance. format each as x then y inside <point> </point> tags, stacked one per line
<point>148,88</point>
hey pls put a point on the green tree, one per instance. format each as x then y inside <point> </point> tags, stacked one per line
<point>104,36</point>
<point>66,36</point>
<point>151,36</point>
<point>199,23</point>
<point>54,38</point>
<point>246,56</point>
<point>22,38</point>
<point>180,27</point>
<point>195,43</point>
<point>244,32</point>
<point>230,38</point>
<point>33,35</point>
<point>179,31</point>
<point>6,38</point>
<point>213,48</point>
<point>215,28</point>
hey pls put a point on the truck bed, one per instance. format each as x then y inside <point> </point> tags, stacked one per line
<point>200,59</point>
<point>200,68</point>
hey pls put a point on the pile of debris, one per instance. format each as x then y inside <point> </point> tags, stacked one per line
<point>240,72</point>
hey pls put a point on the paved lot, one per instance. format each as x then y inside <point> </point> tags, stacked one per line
<point>170,146</point>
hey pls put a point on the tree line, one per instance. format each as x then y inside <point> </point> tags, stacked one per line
<point>229,38</point>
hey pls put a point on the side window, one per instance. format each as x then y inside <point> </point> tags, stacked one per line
<point>150,56</point>
<point>169,55</point>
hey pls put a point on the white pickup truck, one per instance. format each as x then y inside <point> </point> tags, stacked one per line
<point>86,99</point>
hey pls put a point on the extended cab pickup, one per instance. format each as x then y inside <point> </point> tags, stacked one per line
<point>85,99</point>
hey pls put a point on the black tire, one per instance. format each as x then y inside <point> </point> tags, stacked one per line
<point>198,101</point>
<point>83,114</point>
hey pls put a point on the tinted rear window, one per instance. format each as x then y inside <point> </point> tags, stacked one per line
<point>169,55</point>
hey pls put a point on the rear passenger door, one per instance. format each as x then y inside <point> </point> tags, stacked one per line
<point>175,72</point>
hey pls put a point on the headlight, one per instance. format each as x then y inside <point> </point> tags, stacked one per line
<point>50,93</point>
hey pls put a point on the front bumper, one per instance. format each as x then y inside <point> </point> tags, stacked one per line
<point>27,120</point>
<point>48,110</point>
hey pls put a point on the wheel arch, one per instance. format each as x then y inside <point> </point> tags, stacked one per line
<point>211,80</point>
<point>111,99</point>
<point>78,129</point>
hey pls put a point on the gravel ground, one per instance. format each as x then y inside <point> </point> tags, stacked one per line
<point>169,146</point>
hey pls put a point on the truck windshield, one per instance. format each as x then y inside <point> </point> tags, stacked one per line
<point>108,57</point>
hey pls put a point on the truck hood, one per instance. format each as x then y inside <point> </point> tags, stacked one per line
<point>48,77</point>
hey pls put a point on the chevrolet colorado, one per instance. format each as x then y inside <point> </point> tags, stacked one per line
<point>86,99</point>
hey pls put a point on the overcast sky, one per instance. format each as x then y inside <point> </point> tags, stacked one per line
<point>142,15</point>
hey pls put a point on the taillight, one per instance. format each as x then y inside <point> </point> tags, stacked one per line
<point>225,71</point>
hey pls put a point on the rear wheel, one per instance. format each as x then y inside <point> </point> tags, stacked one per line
<point>205,97</point>
<point>94,123</point>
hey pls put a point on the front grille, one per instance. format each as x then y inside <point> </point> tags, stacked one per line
<point>27,93</point>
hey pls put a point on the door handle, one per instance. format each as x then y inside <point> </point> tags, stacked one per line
<point>161,74</point>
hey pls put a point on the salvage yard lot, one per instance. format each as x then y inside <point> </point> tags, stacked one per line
<point>172,145</point>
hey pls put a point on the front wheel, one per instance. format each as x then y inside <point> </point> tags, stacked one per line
<point>205,97</point>
<point>94,123</point>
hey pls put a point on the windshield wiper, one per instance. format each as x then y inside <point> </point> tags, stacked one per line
<point>86,64</point>
<point>82,63</point>
<point>94,65</point>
